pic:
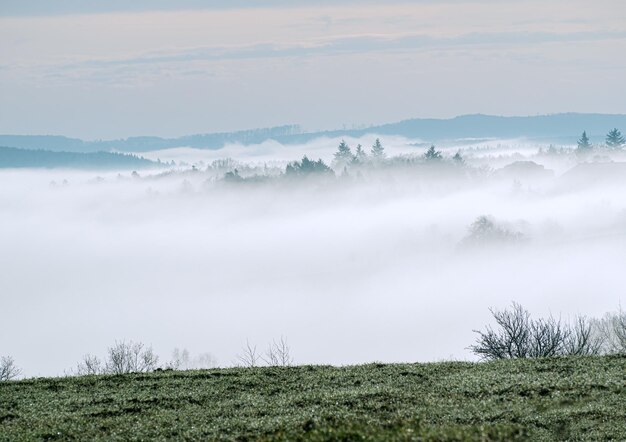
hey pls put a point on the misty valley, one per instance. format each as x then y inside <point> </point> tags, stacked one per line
<point>351,250</point>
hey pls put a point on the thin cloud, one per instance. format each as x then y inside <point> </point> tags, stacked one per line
<point>342,45</point>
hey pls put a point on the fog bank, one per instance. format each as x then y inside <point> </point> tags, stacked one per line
<point>369,266</point>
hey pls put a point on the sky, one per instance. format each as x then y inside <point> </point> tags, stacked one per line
<point>103,70</point>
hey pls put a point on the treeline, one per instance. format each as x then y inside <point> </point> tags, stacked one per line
<point>516,334</point>
<point>614,140</point>
<point>556,128</point>
<point>11,157</point>
<point>345,160</point>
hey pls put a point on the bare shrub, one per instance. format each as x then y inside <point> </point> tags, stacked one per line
<point>130,357</point>
<point>249,356</point>
<point>8,369</point>
<point>582,339</point>
<point>519,336</point>
<point>182,360</point>
<point>122,357</point>
<point>611,329</point>
<point>547,337</point>
<point>510,341</point>
<point>278,354</point>
<point>89,365</point>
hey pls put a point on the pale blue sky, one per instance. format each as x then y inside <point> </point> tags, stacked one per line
<point>112,69</point>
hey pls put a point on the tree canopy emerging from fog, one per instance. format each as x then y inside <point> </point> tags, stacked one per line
<point>485,231</point>
<point>344,153</point>
<point>583,143</point>
<point>615,139</point>
<point>378,151</point>
<point>360,155</point>
<point>307,166</point>
<point>432,154</point>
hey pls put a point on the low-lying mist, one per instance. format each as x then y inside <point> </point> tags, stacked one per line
<point>395,262</point>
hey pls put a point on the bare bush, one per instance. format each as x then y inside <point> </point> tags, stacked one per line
<point>612,331</point>
<point>510,341</point>
<point>249,356</point>
<point>8,369</point>
<point>89,365</point>
<point>519,336</point>
<point>278,354</point>
<point>547,337</point>
<point>130,357</point>
<point>182,360</point>
<point>122,357</point>
<point>583,340</point>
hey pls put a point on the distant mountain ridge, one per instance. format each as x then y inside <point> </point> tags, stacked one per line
<point>563,128</point>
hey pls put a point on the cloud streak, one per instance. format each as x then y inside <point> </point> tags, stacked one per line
<point>326,47</point>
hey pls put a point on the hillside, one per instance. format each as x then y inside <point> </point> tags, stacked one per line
<point>557,128</point>
<point>19,158</point>
<point>542,399</point>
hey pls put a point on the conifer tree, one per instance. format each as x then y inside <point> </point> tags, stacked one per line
<point>343,154</point>
<point>615,140</point>
<point>378,151</point>
<point>583,143</point>
<point>432,154</point>
<point>360,154</point>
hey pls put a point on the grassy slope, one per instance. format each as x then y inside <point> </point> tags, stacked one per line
<point>550,399</point>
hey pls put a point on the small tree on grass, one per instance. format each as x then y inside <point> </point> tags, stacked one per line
<point>8,369</point>
<point>249,356</point>
<point>278,354</point>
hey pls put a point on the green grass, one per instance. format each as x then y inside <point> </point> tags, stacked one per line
<point>569,398</point>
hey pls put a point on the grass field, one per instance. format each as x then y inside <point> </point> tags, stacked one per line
<point>569,398</point>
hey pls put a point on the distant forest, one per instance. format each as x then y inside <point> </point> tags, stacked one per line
<point>557,128</point>
<point>11,157</point>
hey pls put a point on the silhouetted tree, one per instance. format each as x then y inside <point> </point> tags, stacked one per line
<point>8,369</point>
<point>519,336</point>
<point>614,139</point>
<point>583,143</point>
<point>378,151</point>
<point>432,154</point>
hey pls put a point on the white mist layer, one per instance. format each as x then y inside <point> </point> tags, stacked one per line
<point>350,271</point>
